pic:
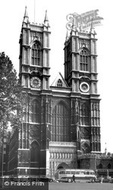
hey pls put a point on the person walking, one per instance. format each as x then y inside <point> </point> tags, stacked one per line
<point>73,178</point>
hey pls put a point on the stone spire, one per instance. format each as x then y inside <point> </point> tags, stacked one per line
<point>46,21</point>
<point>26,18</point>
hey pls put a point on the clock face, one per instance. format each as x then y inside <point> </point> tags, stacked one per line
<point>35,82</point>
<point>84,87</point>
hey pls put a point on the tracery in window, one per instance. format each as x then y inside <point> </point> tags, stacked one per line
<point>59,83</point>
<point>84,114</point>
<point>60,123</point>
<point>34,112</point>
<point>109,166</point>
<point>36,53</point>
<point>35,152</point>
<point>84,60</point>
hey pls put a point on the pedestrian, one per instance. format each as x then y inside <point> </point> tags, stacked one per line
<point>73,178</point>
<point>101,179</point>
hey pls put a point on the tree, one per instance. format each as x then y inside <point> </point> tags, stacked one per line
<point>10,93</point>
<point>12,102</point>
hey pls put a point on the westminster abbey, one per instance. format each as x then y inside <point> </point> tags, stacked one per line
<point>61,121</point>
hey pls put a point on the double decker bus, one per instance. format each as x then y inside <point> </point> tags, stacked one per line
<point>67,175</point>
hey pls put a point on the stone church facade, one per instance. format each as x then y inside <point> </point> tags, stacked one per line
<point>60,121</point>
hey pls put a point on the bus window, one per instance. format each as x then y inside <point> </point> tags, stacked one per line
<point>82,172</point>
<point>61,172</point>
<point>91,172</point>
<point>73,172</point>
<point>77,172</point>
<point>67,172</point>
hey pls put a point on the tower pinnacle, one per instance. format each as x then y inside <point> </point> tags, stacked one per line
<point>46,21</point>
<point>26,18</point>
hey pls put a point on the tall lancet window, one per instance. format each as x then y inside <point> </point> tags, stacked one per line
<point>84,60</point>
<point>60,123</point>
<point>84,114</point>
<point>35,112</point>
<point>35,152</point>
<point>36,53</point>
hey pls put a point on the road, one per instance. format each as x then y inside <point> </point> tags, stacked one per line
<point>72,186</point>
<point>80,186</point>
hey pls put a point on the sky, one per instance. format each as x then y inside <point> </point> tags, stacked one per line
<point>11,16</point>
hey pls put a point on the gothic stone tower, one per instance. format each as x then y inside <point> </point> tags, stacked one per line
<point>34,77</point>
<point>81,75</point>
<point>61,120</point>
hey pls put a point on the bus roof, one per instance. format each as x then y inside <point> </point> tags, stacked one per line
<point>65,169</point>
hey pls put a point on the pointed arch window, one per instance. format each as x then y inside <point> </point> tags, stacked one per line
<point>84,114</point>
<point>35,112</point>
<point>109,166</point>
<point>36,54</point>
<point>100,166</point>
<point>60,123</point>
<point>84,60</point>
<point>59,83</point>
<point>35,152</point>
